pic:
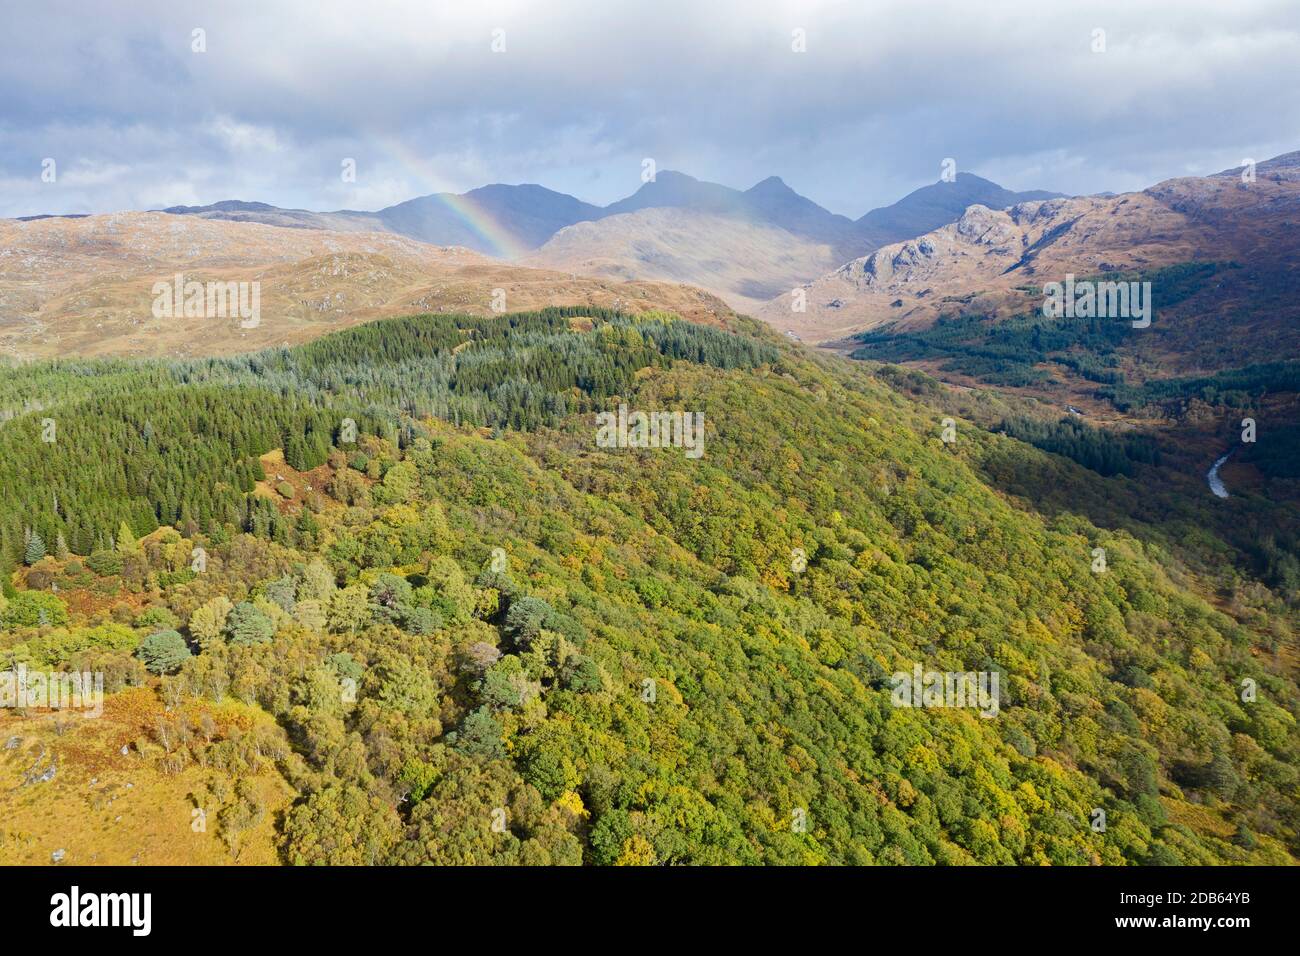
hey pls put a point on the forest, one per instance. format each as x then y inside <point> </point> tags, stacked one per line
<point>392,571</point>
<point>1094,448</point>
<point>1021,350</point>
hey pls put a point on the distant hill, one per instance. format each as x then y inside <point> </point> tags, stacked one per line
<point>497,219</point>
<point>83,287</point>
<point>938,204</point>
<point>671,188</point>
<point>237,210</point>
<point>71,215</point>
<point>742,260</point>
<point>509,220</point>
<point>528,214</point>
<point>770,201</point>
<point>1220,254</point>
<point>777,203</point>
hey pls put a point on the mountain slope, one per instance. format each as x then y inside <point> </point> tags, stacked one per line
<point>938,204</point>
<point>770,202</point>
<point>530,215</point>
<point>993,261</point>
<point>496,219</point>
<point>746,247</point>
<point>633,655</point>
<point>80,287</point>
<point>671,188</point>
<point>743,262</point>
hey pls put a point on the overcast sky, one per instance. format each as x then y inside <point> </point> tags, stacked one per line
<point>585,90</point>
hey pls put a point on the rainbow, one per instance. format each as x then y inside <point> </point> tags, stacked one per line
<point>499,240</point>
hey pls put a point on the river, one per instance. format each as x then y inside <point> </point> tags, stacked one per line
<point>1212,477</point>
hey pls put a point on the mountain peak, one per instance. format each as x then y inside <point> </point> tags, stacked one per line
<point>773,184</point>
<point>225,205</point>
<point>671,188</point>
<point>512,189</point>
<point>672,175</point>
<point>970,179</point>
<point>926,209</point>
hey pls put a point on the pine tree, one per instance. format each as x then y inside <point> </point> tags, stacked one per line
<point>35,549</point>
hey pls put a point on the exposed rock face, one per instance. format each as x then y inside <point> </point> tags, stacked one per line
<point>933,206</point>
<point>993,260</point>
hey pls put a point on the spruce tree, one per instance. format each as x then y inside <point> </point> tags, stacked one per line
<point>35,549</point>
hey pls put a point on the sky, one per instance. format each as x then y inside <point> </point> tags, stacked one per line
<point>446,96</point>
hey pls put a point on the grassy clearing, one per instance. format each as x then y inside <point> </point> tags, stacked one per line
<point>109,808</point>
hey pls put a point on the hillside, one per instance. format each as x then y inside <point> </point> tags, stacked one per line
<point>496,219</point>
<point>994,262</point>
<point>744,263</point>
<point>768,203</point>
<point>84,287</point>
<point>926,209</point>
<point>484,637</point>
<point>513,220</point>
<point>530,214</point>
<point>749,247</point>
<point>520,222</point>
<point>104,807</point>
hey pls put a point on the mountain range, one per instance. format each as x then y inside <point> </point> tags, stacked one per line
<point>748,247</point>
<point>994,260</point>
<point>523,217</point>
<point>743,247</point>
<point>947,249</point>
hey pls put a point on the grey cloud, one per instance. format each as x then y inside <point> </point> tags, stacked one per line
<point>584,91</point>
